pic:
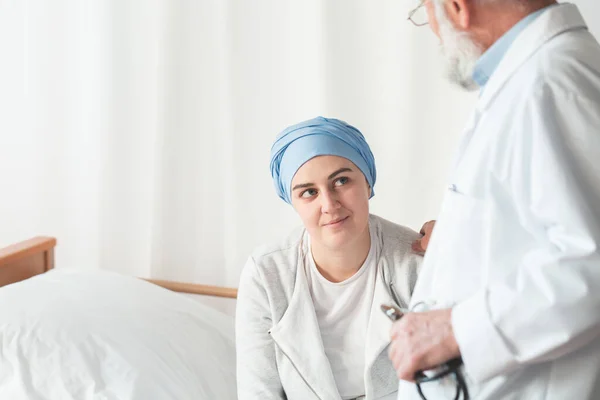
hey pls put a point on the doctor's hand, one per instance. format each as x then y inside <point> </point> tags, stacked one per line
<point>420,246</point>
<point>422,341</point>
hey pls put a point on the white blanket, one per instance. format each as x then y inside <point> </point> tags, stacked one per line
<point>98,335</point>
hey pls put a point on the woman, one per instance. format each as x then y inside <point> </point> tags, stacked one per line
<point>308,319</point>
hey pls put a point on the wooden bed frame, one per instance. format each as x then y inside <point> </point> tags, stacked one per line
<point>35,256</point>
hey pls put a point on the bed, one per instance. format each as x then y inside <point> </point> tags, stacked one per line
<point>75,334</point>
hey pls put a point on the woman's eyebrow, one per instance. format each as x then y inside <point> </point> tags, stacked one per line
<point>303,186</point>
<point>339,171</point>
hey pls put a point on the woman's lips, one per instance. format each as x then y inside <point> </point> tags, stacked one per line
<point>337,222</point>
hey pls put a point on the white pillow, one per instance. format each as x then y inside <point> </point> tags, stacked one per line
<point>99,335</point>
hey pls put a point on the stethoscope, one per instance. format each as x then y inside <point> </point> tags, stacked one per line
<point>396,312</point>
<point>451,367</point>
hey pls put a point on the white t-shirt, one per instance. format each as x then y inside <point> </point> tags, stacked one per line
<point>343,310</point>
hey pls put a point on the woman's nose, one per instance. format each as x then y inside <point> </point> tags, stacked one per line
<point>329,202</point>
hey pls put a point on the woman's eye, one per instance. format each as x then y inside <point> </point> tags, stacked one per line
<point>308,193</point>
<point>341,181</point>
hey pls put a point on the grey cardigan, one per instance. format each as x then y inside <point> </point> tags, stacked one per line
<point>280,353</point>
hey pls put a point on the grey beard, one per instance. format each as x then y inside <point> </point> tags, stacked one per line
<point>460,53</point>
<point>460,71</point>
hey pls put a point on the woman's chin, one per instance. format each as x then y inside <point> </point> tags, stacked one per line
<point>338,239</point>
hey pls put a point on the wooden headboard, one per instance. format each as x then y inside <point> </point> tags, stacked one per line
<point>35,256</point>
<point>26,259</point>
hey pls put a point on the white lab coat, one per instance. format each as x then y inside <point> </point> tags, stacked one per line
<point>515,250</point>
<point>280,353</point>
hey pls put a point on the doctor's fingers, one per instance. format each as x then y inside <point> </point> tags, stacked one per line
<point>409,348</point>
<point>398,351</point>
<point>419,246</point>
<point>403,366</point>
<point>427,228</point>
<point>427,231</point>
<point>407,361</point>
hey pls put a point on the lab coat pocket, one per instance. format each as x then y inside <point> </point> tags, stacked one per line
<point>458,247</point>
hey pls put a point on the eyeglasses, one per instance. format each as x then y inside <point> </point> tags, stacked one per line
<point>418,16</point>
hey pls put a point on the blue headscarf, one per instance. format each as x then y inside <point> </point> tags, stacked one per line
<point>318,137</point>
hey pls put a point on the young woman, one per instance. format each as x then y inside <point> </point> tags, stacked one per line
<point>308,320</point>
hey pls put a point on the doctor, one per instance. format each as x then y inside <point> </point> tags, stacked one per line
<point>511,278</point>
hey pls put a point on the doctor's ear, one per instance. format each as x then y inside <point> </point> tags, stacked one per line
<point>460,12</point>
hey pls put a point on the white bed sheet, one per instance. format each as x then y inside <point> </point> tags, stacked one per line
<point>99,335</point>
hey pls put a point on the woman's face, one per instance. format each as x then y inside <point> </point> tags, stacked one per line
<point>331,195</point>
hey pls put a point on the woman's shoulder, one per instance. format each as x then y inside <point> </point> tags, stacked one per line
<point>272,267</point>
<point>290,241</point>
<point>400,235</point>
<point>282,253</point>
